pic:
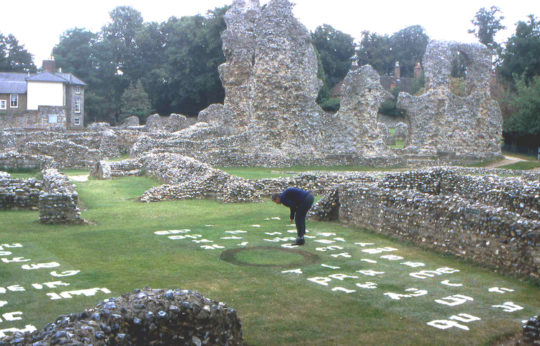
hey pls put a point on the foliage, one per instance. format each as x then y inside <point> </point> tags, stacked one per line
<point>487,24</point>
<point>334,51</point>
<point>188,80</point>
<point>376,50</point>
<point>522,51</point>
<point>408,47</point>
<point>13,56</point>
<point>74,53</point>
<point>176,62</point>
<point>525,122</point>
<point>381,51</point>
<point>135,101</point>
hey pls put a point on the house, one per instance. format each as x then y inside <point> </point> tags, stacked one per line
<point>48,99</point>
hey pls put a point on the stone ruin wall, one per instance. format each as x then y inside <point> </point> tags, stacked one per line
<point>442,123</point>
<point>439,209</point>
<point>270,118</point>
<point>143,317</point>
<point>18,193</point>
<point>58,200</point>
<point>187,178</point>
<point>55,196</point>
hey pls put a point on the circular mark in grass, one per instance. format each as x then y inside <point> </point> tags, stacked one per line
<point>268,256</point>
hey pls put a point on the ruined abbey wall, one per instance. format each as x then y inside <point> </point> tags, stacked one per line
<point>441,209</point>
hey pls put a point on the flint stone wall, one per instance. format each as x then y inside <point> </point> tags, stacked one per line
<point>71,149</point>
<point>13,160</point>
<point>58,201</point>
<point>187,178</point>
<point>501,229</point>
<point>18,193</point>
<point>446,124</point>
<point>143,317</point>
<point>172,123</point>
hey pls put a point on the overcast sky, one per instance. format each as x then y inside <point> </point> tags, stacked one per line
<point>38,24</point>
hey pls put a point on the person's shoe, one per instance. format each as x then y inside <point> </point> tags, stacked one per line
<point>299,241</point>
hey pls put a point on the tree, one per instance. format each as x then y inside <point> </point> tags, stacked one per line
<point>523,126</point>
<point>13,56</point>
<point>188,80</point>
<point>121,36</point>
<point>487,24</point>
<point>376,50</point>
<point>135,101</point>
<point>408,47</point>
<point>522,50</point>
<point>334,51</point>
<point>74,53</point>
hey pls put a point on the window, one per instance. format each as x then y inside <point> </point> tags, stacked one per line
<point>53,119</point>
<point>77,105</point>
<point>3,104</point>
<point>77,90</point>
<point>14,101</point>
<point>76,121</point>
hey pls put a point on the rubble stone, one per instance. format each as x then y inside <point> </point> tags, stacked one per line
<point>143,317</point>
<point>488,219</point>
<point>442,123</point>
<point>58,200</point>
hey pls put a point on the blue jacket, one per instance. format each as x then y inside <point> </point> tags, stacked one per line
<point>292,198</point>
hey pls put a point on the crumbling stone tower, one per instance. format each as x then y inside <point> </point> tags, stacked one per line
<point>444,124</point>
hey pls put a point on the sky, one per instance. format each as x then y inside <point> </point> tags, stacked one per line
<point>39,24</point>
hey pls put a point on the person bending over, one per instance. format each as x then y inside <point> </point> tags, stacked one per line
<point>299,201</point>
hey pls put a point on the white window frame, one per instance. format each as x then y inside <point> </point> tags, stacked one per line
<point>11,101</point>
<point>76,121</point>
<point>77,105</point>
<point>77,89</point>
<point>53,117</point>
<point>3,104</point>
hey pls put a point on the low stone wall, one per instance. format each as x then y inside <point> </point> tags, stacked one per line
<point>108,169</point>
<point>13,160</point>
<point>18,193</point>
<point>143,317</point>
<point>501,229</point>
<point>172,123</point>
<point>58,201</point>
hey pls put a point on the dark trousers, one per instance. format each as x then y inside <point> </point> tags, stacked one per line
<point>301,213</point>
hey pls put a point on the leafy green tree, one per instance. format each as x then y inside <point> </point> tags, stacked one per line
<point>121,36</point>
<point>376,50</point>
<point>74,53</point>
<point>334,51</point>
<point>188,80</point>
<point>408,47</point>
<point>13,56</point>
<point>523,126</point>
<point>487,23</point>
<point>135,101</point>
<point>522,52</point>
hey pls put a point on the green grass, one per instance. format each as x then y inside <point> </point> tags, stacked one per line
<point>400,144</point>
<point>522,165</point>
<point>119,251</point>
<point>263,172</point>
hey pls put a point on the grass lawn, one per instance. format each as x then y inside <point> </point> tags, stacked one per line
<point>358,290</point>
<point>523,165</point>
<point>263,172</point>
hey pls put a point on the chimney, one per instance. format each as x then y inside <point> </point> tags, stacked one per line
<point>49,65</point>
<point>397,71</point>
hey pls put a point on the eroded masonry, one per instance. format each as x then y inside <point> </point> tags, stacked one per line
<point>270,118</point>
